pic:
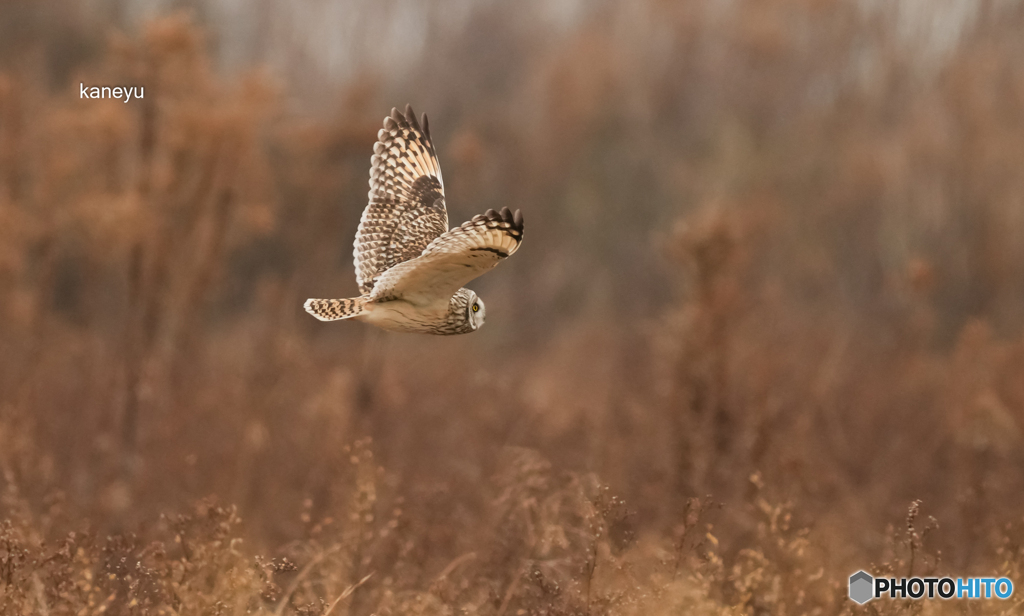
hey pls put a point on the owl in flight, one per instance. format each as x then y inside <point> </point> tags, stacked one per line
<point>410,267</point>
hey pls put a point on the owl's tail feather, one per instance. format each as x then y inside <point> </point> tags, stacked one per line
<point>335,309</point>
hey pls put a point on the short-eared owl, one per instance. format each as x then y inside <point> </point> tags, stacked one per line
<point>410,267</point>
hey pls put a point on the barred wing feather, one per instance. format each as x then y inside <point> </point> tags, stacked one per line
<point>406,209</point>
<point>453,259</point>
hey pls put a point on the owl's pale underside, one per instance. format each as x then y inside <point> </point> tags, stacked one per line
<point>410,267</point>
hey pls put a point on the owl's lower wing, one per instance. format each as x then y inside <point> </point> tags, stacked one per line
<point>406,209</point>
<point>452,260</point>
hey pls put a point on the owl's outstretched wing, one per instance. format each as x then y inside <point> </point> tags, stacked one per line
<point>406,210</point>
<point>452,260</point>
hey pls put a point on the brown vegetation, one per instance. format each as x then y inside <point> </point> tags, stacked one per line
<point>769,301</point>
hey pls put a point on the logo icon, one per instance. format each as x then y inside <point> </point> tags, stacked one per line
<point>861,585</point>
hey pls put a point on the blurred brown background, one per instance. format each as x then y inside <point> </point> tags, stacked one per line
<point>770,297</point>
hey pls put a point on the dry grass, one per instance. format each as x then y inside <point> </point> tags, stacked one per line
<point>765,329</point>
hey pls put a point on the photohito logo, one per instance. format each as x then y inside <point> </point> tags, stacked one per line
<point>864,588</point>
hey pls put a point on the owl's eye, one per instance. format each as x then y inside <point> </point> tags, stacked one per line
<point>476,307</point>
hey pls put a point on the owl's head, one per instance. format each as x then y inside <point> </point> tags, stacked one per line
<point>475,311</point>
<point>467,310</point>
